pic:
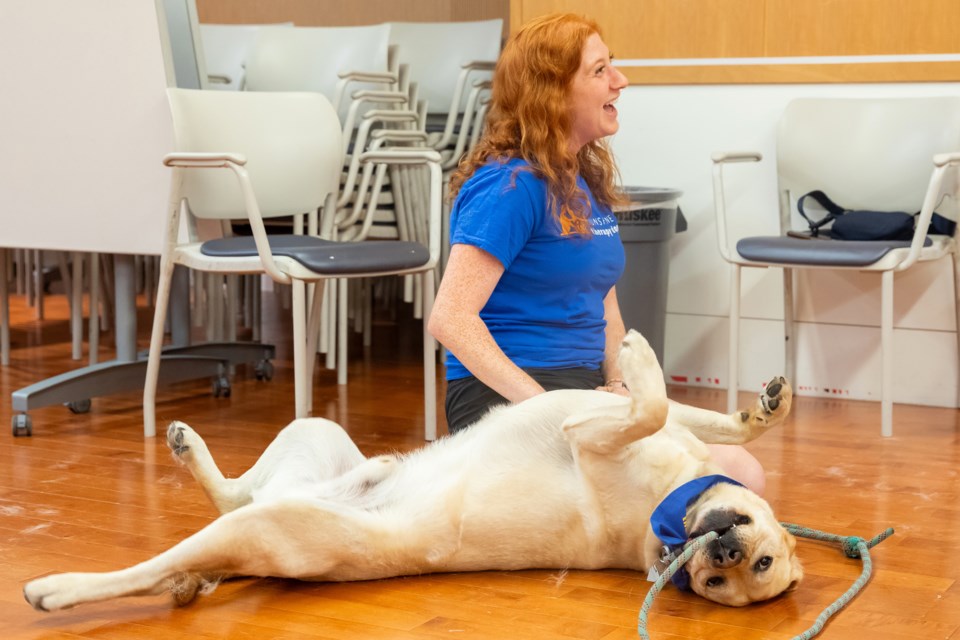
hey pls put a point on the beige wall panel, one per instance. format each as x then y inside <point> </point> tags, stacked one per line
<point>806,73</point>
<point>666,28</point>
<point>861,27</point>
<point>309,13</point>
<point>770,28</point>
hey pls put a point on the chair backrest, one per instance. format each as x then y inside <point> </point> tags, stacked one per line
<point>225,51</point>
<point>291,142</point>
<point>309,58</point>
<point>436,51</point>
<point>865,153</point>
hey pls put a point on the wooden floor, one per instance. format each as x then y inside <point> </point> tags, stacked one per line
<point>87,492</point>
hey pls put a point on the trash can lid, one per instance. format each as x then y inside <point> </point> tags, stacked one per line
<point>650,195</point>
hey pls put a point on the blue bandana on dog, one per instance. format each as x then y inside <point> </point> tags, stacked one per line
<point>669,519</point>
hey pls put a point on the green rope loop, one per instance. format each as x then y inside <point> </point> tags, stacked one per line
<point>853,547</point>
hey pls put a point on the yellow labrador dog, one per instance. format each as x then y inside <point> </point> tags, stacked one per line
<point>567,479</point>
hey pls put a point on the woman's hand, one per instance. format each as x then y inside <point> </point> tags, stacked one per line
<point>615,386</point>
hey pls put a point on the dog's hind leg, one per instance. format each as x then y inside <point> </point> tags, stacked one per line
<point>292,539</point>
<point>770,410</point>
<point>610,427</point>
<point>310,449</point>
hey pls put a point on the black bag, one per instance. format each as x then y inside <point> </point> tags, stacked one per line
<point>868,225</point>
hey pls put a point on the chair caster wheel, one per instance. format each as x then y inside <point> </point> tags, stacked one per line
<point>221,387</point>
<point>79,406</point>
<point>264,370</point>
<point>22,425</point>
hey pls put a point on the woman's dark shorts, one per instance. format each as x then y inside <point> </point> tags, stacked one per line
<point>468,399</point>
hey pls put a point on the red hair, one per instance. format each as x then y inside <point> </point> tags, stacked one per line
<point>529,118</point>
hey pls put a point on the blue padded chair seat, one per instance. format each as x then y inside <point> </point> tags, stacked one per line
<point>327,256</point>
<point>814,251</point>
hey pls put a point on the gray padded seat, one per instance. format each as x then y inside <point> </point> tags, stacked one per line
<point>837,253</point>
<point>327,256</point>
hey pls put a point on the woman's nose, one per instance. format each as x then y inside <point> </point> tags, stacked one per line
<point>618,81</point>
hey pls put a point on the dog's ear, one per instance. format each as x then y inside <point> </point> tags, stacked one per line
<point>796,570</point>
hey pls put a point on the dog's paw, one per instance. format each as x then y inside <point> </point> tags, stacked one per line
<point>52,593</point>
<point>185,587</point>
<point>182,440</point>
<point>638,361</point>
<point>771,407</point>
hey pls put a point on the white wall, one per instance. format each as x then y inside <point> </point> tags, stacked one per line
<point>666,137</point>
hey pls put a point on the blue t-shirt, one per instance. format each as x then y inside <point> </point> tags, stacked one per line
<point>547,309</point>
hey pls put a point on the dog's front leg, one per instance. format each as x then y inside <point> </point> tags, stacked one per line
<point>770,410</point>
<point>609,428</point>
<point>291,539</point>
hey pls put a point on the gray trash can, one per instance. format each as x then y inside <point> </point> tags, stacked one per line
<point>647,224</point>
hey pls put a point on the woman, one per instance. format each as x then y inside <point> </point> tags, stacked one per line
<point>527,303</point>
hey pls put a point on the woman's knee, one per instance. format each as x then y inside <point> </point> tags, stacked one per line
<point>741,465</point>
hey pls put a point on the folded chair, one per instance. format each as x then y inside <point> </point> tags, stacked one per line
<point>282,156</point>
<point>226,48</point>
<point>867,154</point>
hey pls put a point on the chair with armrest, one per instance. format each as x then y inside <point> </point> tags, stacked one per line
<point>225,51</point>
<point>446,60</point>
<point>867,154</point>
<point>282,156</point>
<point>326,60</point>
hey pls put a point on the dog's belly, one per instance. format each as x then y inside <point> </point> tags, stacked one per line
<point>493,497</point>
<point>473,528</point>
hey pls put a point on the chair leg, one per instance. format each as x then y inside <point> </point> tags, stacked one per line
<point>313,336</point>
<point>93,326</point>
<point>956,311</point>
<point>76,304</point>
<point>330,323</point>
<point>341,331</point>
<point>733,358</point>
<point>156,345</point>
<point>298,304</point>
<point>789,335</point>
<point>886,354</point>
<point>429,363</point>
<point>4,311</point>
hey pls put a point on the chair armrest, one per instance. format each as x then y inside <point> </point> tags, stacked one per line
<point>401,155</point>
<point>203,160</point>
<point>391,115</point>
<point>347,77</point>
<point>719,201</point>
<point>939,186</point>
<point>373,95</point>
<point>736,156</point>
<point>479,65</point>
<point>399,135</point>
<point>465,70</point>
<point>389,77</point>
<point>235,162</point>
<point>942,159</point>
<point>219,78</point>
<point>417,156</point>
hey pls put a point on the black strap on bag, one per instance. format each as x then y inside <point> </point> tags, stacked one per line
<point>833,210</point>
<point>869,225</point>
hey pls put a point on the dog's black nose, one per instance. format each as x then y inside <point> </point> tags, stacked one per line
<point>724,557</point>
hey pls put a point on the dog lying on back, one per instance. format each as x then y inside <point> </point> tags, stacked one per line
<point>566,480</point>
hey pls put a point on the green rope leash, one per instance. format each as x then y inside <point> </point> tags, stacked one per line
<point>853,547</point>
<point>691,548</point>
